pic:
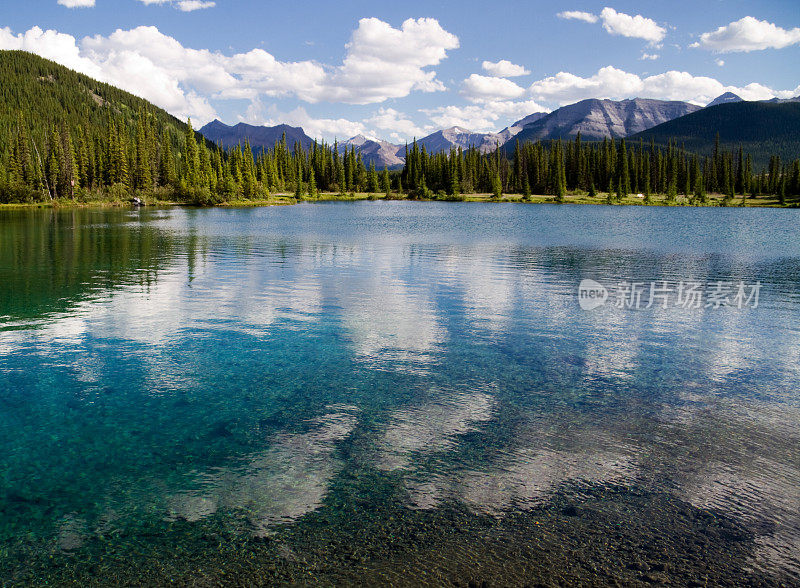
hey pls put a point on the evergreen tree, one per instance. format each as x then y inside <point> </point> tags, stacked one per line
<point>782,190</point>
<point>699,185</point>
<point>623,172</point>
<point>385,181</point>
<point>372,179</point>
<point>497,186</point>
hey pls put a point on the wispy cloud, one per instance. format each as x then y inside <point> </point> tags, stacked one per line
<point>77,3</point>
<point>578,15</point>
<point>182,5</point>
<point>192,5</point>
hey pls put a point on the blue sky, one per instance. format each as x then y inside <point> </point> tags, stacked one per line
<point>402,70</point>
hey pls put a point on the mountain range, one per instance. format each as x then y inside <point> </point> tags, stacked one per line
<point>373,151</point>
<point>597,119</point>
<point>594,119</point>
<point>258,136</point>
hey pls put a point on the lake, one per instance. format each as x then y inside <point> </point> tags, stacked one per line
<point>400,392</point>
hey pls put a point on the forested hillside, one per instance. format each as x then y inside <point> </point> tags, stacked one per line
<point>64,135</point>
<point>763,129</point>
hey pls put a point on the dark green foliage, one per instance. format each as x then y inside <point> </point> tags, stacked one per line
<point>64,135</point>
<point>497,187</point>
<point>386,183</point>
<point>556,167</point>
<point>762,129</point>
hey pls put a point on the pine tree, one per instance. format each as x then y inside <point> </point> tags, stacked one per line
<point>699,187</point>
<point>796,177</point>
<point>672,189</point>
<point>386,182</point>
<point>423,189</point>
<point>454,184</point>
<point>372,179</point>
<point>782,190</point>
<point>497,186</point>
<point>312,185</point>
<point>141,170</point>
<point>298,184</point>
<point>623,172</point>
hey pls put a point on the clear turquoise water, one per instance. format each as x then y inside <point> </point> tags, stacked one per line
<point>395,392</point>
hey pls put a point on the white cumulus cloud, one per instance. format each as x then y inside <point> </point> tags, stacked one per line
<point>748,34</point>
<point>639,27</point>
<point>480,88</point>
<point>52,45</point>
<point>616,84</point>
<point>398,125</point>
<point>504,69</point>
<point>619,23</point>
<point>381,62</point>
<point>578,15</point>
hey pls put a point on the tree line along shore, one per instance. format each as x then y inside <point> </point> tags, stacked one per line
<point>61,166</point>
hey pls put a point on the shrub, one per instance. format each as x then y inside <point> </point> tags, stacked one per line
<point>119,193</point>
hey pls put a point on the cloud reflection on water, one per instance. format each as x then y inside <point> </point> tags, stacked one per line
<point>702,404</point>
<point>275,486</point>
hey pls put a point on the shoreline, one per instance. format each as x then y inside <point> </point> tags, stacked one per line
<point>287,199</point>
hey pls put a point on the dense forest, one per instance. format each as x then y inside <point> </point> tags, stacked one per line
<point>616,168</point>
<point>66,136</point>
<point>138,160</point>
<point>762,129</point>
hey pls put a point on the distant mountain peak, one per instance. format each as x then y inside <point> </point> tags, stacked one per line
<point>530,119</point>
<point>459,130</point>
<point>726,98</point>
<point>374,151</point>
<point>360,140</point>
<point>596,119</point>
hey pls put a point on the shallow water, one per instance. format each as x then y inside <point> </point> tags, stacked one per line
<point>397,392</point>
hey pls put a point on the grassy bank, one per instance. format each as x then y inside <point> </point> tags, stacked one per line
<point>283,199</point>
